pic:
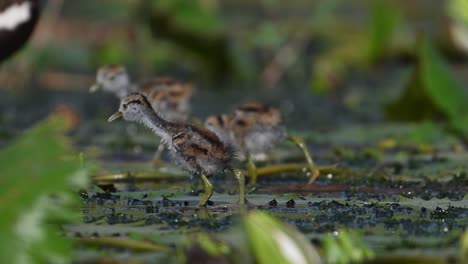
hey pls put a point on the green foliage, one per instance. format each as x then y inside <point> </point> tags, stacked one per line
<point>38,165</point>
<point>425,133</point>
<point>385,20</point>
<point>195,30</point>
<point>267,36</point>
<point>273,242</point>
<point>327,73</point>
<point>213,247</point>
<point>59,57</point>
<point>432,91</point>
<point>114,52</point>
<point>191,16</point>
<point>332,66</point>
<point>347,247</point>
<point>204,247</point>
<point>464,246</point>
<point>445,91</point>
<point>353,48</point>
<point>259,239</point>
<point>104,10</point>
<point>458,10</point>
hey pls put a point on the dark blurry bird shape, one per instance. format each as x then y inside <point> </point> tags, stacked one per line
<point>18,19</point>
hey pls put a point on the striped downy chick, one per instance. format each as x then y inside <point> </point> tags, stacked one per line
<point>253,129</point>
<point>115,80</point>
<point>169,97</point>
<point>257,128</point>
<point>220,125</point>
<point>195,150</point>
<point>166,95</point>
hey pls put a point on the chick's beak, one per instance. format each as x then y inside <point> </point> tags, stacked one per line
<point>94,88</point>
<point>116,115</point>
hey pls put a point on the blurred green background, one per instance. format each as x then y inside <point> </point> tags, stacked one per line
<point>324,63</point>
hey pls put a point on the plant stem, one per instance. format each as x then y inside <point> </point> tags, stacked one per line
<point>135,245</point>
<point>140,176</point>
<point>292,167</point>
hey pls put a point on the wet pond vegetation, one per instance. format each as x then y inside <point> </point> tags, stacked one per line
<point>380,104</point>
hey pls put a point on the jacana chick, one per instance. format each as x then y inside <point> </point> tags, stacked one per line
<point>255,129</point>
<point>169,97</point>
<point>194,149</point>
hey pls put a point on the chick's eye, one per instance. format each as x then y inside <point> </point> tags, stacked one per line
<point>111,77</point>
<point>124,106</point>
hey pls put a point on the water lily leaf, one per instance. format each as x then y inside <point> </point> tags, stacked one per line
<point>34,194</point>
<point>274,242</point>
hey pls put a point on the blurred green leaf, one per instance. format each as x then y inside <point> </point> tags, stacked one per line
<point>347,247</point>
<point>191,15</point>
<point>70,57</point>
<point>446,92</point>
<point>267,36</point>
<point>195,30</point>
<point>458,10</point>
<point>331,67</point>
<point>326,76</point>
<point>273,242</point>
<point>432,92</point>
<point>208,248</point>
<point>212,246</point>
<point>459,125</point>
<point>38,165</point>
<point>464,246</point>
<point>425,133</point>
<point>385,20</point>
<point>113,52</point>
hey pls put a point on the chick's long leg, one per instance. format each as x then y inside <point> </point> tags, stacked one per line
<point>252,171</point>
<point>313,170</point>
<point>241,179</point>
<point>158,154</point>
<point>208,191</point>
